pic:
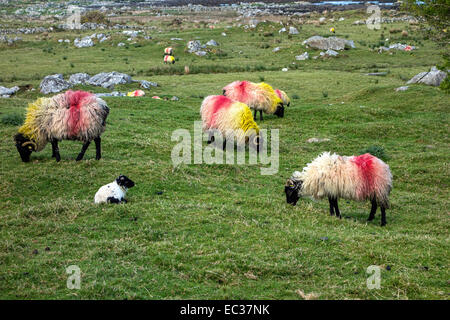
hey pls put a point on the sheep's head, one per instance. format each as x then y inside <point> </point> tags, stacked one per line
<point>280,110</point>
<point>292,190</point>
<point>124,182</point>
<point>25,146</point>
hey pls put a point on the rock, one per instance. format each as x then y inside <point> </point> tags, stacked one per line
<point>331,53</point>
<point>111,94</point>
<point>83,43</point>
<point>432,78</point>
<point>194,46</point>
<point>174,98</point>
<point>404,88</point>
<point>276,49</point>
<point>176,39</point>
<point>377,74</point>
<point>120,44</point>
<point>131,33</point>
<point>54,84</point>
<point>322,19</point>
<point>201,53</point>
<point>333,43</point>
<point>7,92</point>
<point>212,43</point>
<point>293,30</point>
<point>282,30</point>
<point>341,19</point>
<point>317,140</point>
<point>303,56</point>
<point>109,79</point>
<point>147,84</point>
<point>403,47</point>
<point>224,34</point>
<point>78,78</point>
<point>284,69</point>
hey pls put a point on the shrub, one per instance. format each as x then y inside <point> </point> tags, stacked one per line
<point>94,17</point>
<point>12,119</point>
<point>376,151</point>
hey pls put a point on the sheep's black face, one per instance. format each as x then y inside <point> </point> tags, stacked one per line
<point>224,92</point>
<point>125,182</point>
<point>291,189</point>
<point>280,111</point>
<point>25,147</point>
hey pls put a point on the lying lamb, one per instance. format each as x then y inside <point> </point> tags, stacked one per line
<point>114,192</point>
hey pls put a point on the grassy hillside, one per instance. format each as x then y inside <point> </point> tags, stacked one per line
<point>225,231</point>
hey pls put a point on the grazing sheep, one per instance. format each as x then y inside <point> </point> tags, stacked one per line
<point>258,96</point>
<point>358,178</point>
<point>169,59</point>
<point>283,96</point>
<point>232,119</point>
<point>114,192</point>
<point>71,115</point>
<point>168,51</point>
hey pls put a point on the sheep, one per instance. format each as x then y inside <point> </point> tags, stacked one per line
<point>71,115</point>
<point>283,96</point>
<point>168,51</point>
<point>115,191</point>
<point>258,96</point>
<point>169,59</point>
<point>233,119</point>
<point>358,178</point>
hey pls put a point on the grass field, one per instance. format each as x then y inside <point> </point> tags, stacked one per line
<point>225,231</point>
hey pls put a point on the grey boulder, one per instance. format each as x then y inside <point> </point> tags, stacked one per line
<point>434,77</point>
<point>53,84</point>
<point>332,43</point>
<point>79,78</point>
<point>109,79</point>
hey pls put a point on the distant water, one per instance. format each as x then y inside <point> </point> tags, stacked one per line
<point>346,3</point>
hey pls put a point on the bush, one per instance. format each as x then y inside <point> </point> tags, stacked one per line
<point>94,17</point>
<point>12,119</point>
<point>376,151</point>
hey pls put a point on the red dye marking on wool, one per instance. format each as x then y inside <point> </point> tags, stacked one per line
<point>219,103</point>
<point>242,91</point>
<point>365,164</point>
<point>76,99</point>
<point>278,92</point>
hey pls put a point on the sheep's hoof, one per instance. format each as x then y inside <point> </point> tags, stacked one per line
<point>383,224</point>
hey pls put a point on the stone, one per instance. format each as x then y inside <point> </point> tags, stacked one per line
<point>7,92</point>
<point>403,88</point>
<point>284,69</point>
<point>83,43</point>
<point>201,53</point>
<point>276,49</point>
<point>147,84</point>
<point>53,84</point>
<point>317,140</point>
<point>434,77</point>
<point>303,56</point>
<point>293,30</point>
<point>331,53</point>
<point>212,43</point>
<point>78,78</point>
<point>194,46</point>
<point>333,43</point>
<point>120,44</point>
<point>109,79</point>
<point>282,30</point>
<point>402,47</point>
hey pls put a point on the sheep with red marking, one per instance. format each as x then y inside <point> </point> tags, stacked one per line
<point>73,115</point>
<point>283,96</point>
<point>232,119</point>
<point>358,178</point>
<point>258,96</point>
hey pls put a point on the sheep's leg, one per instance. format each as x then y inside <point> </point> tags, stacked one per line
<point>383,215</point>
<point>55,150</point>
<point>83,151</point>
<point>254,116</point>
<point>112,200</point>
<point>224,144</point>
<point>260,115</point>
<point>331,206</point>
<point>98,148</point>
<point>336,208</point>
<point>373,210</point>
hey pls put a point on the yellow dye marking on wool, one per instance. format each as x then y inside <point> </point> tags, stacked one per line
<point>276,100</point>
<point>30,129</point>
